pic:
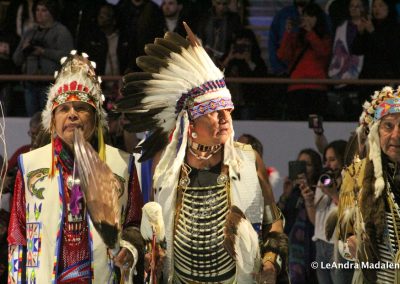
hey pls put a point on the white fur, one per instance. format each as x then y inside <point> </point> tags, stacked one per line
<point>152,222</point>
<point>375,156</point>
<point>248,259</point>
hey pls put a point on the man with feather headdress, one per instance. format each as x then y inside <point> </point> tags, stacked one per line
<point>369,212</point>
<point>64,221</point>
<point>217,203</point>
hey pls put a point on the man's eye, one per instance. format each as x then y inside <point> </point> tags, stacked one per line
<point>388,125</point>
<point>62,109</point>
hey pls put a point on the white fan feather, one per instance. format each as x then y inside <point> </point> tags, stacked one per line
<point>248,259</point>
<point>152,222</point>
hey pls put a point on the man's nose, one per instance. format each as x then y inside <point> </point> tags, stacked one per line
<point>72,114</point>
<point>223,117</point>
<point>396,132</point>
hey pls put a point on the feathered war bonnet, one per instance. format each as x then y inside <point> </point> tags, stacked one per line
<point>76,81</point>
<point>180,83</point>
<point>384,102</point>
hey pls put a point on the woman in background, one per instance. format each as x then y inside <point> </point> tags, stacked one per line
<point>298,225</point>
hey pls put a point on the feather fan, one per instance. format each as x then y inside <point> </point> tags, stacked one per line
<point>153,230</point>
<point>99,187</point>
<point>241,242</point>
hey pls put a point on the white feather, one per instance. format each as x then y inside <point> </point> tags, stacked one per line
<point>248,259</point>
<point>152,222</point>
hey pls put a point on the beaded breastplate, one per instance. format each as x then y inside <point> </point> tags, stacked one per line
<point>199,256</point>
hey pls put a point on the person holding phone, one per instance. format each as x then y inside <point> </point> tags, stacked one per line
<point>244,60</point>
<point>320,205</point>
<point>294,204</point>
<point>307,52</point>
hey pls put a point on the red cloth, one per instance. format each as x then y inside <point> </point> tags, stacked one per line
<point>314,62</point>
<point>13,161</point>
<point>17,226</point>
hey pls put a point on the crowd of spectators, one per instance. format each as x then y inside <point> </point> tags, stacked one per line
<point>351,39</point>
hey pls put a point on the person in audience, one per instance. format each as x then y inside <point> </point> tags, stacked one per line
<point>40,51</point>
<point>244,60</point>
<point>290,13</point>
<point>298,225</point>
<point>378,40</point>
<point>8,43</point>
<point>319,204</point>
<point>105,45</point>
<point>337,11</point>
<point>79,16</point>
<point>344,64</point>
<point>34,128</point>
<point>217,28</point>
<point>139,22</point>
<point>307,53</point>
<point>173,16</point>
<point>20,17</point>
<point>273,174</point>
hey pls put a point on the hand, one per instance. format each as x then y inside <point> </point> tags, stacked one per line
<point>124,259</point>
<point>307,25</point>
<point>289,25</point>
<point>365,24</point>
<point>369,26</point>
<point>160,258</point>
<point>268,274</point>
<point>307,193</point>
<point>331,191</point>
<point>38,51</point>
<point>26,43</point>
<point>352,243</point>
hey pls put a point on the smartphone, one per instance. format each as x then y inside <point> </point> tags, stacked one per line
<point>296,168</point>
<point>315,121</point>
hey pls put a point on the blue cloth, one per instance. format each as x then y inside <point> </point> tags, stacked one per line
<point>277,29</point>
<point>325,255</point>
<point>35,97</point>
<point>146,180</point>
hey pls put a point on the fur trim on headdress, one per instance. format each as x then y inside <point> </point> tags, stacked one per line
<point>375,156</point>
<point>76,81</point>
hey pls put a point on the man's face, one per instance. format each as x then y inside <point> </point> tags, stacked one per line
<point>71,115</point>
<point>171,8</point>
<point>213,128</point>
<point>389,136</point>
<point>220,6</point>
<point>105,18</point>
<point>42,14</point>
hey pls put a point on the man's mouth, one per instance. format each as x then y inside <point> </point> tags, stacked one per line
<point>72,126</point>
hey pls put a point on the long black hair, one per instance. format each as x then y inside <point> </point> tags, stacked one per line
<point>315,161</point>
<point>339,148</point>
<point>321,26</point>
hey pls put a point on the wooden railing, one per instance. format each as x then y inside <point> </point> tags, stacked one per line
<point>269,80</point>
